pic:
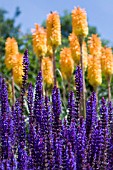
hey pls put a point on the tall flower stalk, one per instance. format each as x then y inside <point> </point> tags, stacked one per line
<point>39,43</point>
<point>107,67</point>
<point>53,36</point>
<point>11,51</point>
<point>80,29</point>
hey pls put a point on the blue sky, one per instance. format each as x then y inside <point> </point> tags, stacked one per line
<point>100,12</point>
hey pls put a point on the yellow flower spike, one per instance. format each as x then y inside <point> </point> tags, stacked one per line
<point>66,63</point>
<point>11,50</point>
<point>47,71</point>
<point>18,70</point>
<point>53,29</point>
<point>94,71</point>
<point>39,41</point>
<point>75,48</point>
<point>95,45</point>
<point>107,61</point>
<point>49,51</point>
<point>79,22</point>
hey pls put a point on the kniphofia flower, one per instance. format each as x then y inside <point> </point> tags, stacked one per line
<point>53,29</point>
<point>11,50</point>
<point>107,61</point>
<point>39,41</point>
<point>95,45</point>
<point>94,71</point>
<point>75,50</point>
<point>18,69</point>
<point>66,63</point>
<point>79,22</point>
<point>47,70</point>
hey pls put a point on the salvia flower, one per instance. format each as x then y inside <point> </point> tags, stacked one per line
<point>4,120</point>
<point>22,157</point>
<point>78,81</point>
<point>30,99</point>
<point>91,115</point>
<point>71,158</point>
<point>39,41</point>
<point>104,134</point>
<point>66,63</point>
<point>71,107</point>
<point>79,22</point>
<point>56,107</point>
<point>47,71</point>
<point>53,29</point>
<point>38,101</point>
<point>81,143</point>
<point>11,50</point>
<point>107,61</point>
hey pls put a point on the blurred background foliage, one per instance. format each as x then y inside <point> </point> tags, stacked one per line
<point>8,28</point>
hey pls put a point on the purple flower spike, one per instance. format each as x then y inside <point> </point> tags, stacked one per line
<point>38,102</point>
<point>104,134</point>
<point>91,114</point>
<point>22,157</point>
<point>71,165</point>
<point>24,78</point>
<point>30,98</point>
<point>110,116</point>
<point>25,67</point>
<point>72,115</point>
<point>4,121</point>
<point>78,81</point>
<point>79,87</point>
<point>56,107</point>
<point>81,146</point>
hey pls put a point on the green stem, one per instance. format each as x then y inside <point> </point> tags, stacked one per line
<point>83,80</point>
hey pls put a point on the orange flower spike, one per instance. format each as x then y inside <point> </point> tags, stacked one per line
<point>39,41</point>
<point>66,63</point>
<point>18,70</point>
<point>11,50</point>
<point>107,61</point>
<point>47,71</point>
<point>94,71</point>
<point>79,22</point>
<point>75,48</point>
<point>95,45</point>
<point>49,51</point>
<point>53,29</point>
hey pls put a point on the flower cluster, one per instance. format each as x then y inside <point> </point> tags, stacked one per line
<point>53,29</point>
<point>47,70</point>
<point>79,22</point>
<point>11,48</point>
<point>66,63</point>
<point>107,61</point>
<point>18,69</point>
<point>39,41</point>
